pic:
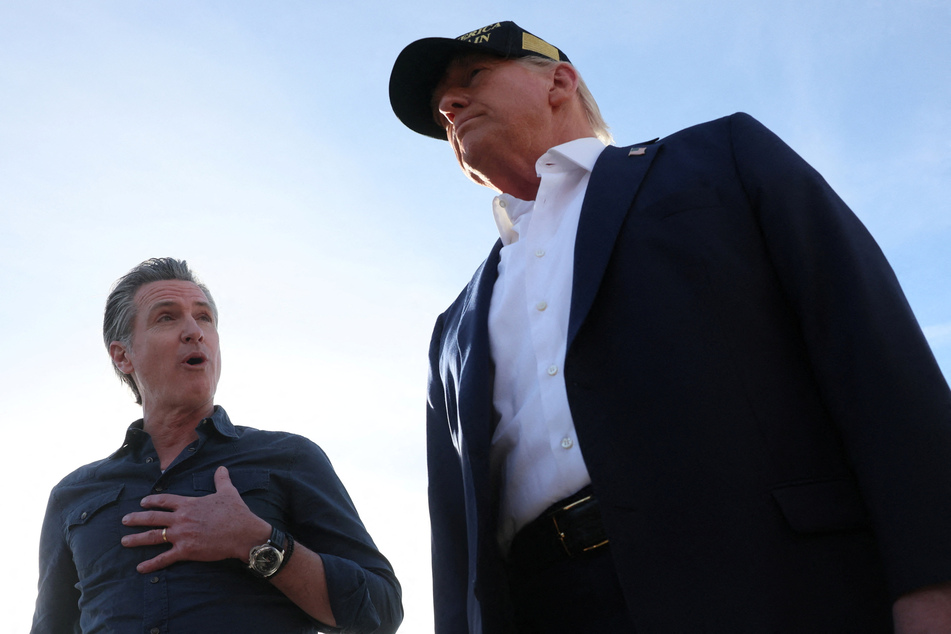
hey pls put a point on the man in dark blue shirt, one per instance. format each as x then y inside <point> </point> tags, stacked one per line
<point>195,524</point>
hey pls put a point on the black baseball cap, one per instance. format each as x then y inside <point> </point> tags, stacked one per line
<point>421,65</point>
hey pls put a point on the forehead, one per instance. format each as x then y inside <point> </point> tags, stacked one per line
<point>168,291</point>
<point>461,63</point>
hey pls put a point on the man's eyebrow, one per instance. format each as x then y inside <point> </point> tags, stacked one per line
<point>165,303</point>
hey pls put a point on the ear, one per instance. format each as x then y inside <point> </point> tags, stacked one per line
<point>121,357</point>
<point>564,84</point>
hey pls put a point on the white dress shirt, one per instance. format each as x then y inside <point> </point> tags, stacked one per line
<point>535,456</point>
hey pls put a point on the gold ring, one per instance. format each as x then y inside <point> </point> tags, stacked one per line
<point>165,534</point>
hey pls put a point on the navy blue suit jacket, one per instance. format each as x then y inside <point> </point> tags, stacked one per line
<point>762,418</point>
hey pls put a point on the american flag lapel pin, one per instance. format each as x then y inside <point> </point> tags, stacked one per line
<point>637,151</point>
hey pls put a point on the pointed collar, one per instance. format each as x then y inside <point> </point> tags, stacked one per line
<point>578,154</point>
<point>135,435</point>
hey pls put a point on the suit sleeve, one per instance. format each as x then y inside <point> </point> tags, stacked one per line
<point>878,377</point>
<point>446,504</point>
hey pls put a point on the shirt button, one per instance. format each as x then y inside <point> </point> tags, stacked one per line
<point>567,443</point>
<point>160,488</point>
<point>83,516</point>
<point>541,305</point>
<point>156,579</point>
<point>155,630</point>
<point>539,253</point>
<point>502,204</point>
<point>552,370</point>
<point>192,449</point>
<point>150,459</point>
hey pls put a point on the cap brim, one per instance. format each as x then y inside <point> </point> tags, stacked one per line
<point>416,72</point>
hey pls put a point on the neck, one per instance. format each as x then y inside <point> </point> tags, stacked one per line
<point>521,178</point>
<point>521,183</point>
<point>173,429</point>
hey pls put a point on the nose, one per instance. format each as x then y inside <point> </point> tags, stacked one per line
<point>451,102</point>
<point>192,331</point>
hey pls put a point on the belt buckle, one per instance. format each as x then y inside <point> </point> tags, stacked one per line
<point>561,534</point>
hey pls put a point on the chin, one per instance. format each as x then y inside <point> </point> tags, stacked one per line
<point>476,176</point>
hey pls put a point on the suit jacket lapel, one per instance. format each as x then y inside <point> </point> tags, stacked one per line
<point>477,373</point>
<point>616,177</point>
<point>474,321</point>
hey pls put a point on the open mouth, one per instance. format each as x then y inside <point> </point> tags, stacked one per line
<point>195,360</point>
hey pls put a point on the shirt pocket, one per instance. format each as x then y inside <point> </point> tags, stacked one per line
<point>822,506</point>
<point>92,526</point>
<point>255,488</point>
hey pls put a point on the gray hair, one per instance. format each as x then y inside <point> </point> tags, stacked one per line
<point>119,315</point>
<point>591,110</point>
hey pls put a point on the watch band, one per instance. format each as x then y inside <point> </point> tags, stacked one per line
<point>273,550</point>
<point>277,538</point>
<point>287,552</point>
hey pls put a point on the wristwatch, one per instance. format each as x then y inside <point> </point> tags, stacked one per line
<point>266,559</point>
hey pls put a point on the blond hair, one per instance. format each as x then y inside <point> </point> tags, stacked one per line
<point>591,110</point>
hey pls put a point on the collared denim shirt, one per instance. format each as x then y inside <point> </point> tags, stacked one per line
<point>88,581</point>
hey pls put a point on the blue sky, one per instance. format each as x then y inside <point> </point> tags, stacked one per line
<point>255,140</point>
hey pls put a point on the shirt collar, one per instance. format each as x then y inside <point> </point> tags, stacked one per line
<point>581,153</point>
<point>219,418</point>
<point>578,154</point>
<point>135,435</point>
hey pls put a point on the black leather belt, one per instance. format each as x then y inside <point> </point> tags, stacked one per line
<point>569,528</point>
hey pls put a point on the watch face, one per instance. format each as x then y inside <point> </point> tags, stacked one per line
<point>265,559</point>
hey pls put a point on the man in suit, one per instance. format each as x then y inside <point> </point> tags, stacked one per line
<point>684,393</point>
